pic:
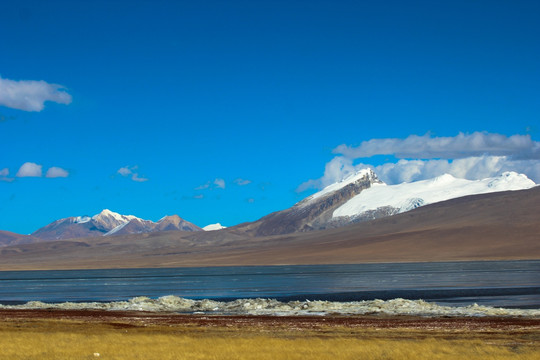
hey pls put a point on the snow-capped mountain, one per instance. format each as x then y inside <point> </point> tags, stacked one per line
<point>362,196</point>
<point>107,219</point>
<point>384,200</point>
<point>109,223</point>
<point>314,212</point>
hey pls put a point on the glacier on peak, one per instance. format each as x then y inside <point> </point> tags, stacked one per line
<point>407,196</point>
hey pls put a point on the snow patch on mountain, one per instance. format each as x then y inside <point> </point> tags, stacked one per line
<point>408,196</point>
<point>110,219</point>
<point>82,219</point>
<point>116,229</point>
<point>214,227</point>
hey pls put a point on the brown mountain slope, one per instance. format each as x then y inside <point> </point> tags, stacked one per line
<point>482,227</point>
<point>10,238</point>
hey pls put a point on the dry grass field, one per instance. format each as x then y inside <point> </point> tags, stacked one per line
<point>61,335</point>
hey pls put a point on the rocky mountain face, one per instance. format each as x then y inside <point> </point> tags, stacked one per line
<point>109,223</point>
<point>314,212</point>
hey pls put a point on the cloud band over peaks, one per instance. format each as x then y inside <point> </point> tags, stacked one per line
<point>471,156</point>
<point>457,147</point>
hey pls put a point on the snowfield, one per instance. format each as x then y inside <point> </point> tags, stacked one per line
<point>407,196</point>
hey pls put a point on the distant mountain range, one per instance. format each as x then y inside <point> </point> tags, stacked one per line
<point>108,223</point>
<point>494,226</point>
<point>359,197</point>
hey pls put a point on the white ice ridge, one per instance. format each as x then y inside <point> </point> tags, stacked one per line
<point>172,303</point>
<point>407,196</point>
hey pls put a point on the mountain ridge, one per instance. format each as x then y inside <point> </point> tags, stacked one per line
<point>359,197</point>
<point>362,196</point>
<point>108,223</point>
<point>492,226</point>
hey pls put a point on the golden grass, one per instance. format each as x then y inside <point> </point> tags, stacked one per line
<point>61,339</point>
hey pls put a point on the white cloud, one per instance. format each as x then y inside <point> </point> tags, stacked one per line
<point>335,170</point>
<point>4,175</point>
<point>124,171</point>
<point>220,183</point>
<point>135,177</point>
<point>29,169</point>
<point>56,172</point>
<point>242,182</point>
<point>129,171</point>
<point>470,156</point>
<point>472,168</point>
<point>30,95</point>
<point>460,146</point>
<point>203,186</point>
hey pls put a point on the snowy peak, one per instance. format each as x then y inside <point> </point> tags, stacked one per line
<point>107,223</point>
<point>364,175</point>
<point>510,180</point>
<point>384,200</point>
<point>314,212</point>
<point>108,220</point>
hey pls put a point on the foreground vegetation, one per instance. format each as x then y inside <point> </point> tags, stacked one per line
<point>68,339</point>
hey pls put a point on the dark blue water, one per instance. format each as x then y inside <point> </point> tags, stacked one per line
<point>511,284</point>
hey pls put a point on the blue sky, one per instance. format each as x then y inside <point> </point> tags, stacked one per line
<point>225,111</point>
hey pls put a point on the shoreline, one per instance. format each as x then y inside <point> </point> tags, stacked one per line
<point>226,265</point>
<point>300,321</point>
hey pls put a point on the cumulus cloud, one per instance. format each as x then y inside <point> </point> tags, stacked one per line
<point>30,95</point>
<point>220,183</point>
<point>472,168</point>
<point>335,170</point>
<point>124,171</point>
<point>136,177</point>
<point>130,171</point>
<point>29,169</point>
<point>242,182</point>
<point>56,172</point>
<point>457,147</point>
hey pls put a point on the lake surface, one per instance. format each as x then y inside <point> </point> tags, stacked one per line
<point>509,284</point>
